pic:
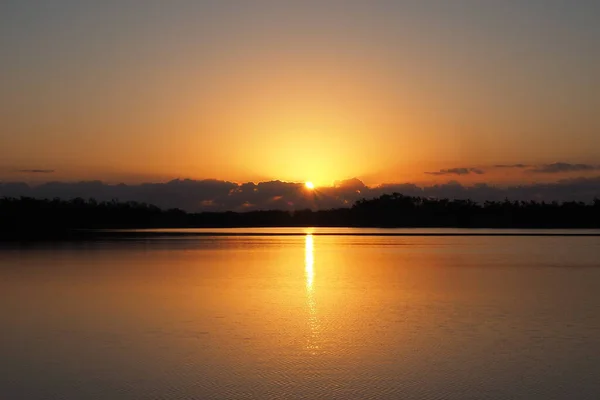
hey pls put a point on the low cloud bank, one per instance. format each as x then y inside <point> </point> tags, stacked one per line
<point>215,195</point>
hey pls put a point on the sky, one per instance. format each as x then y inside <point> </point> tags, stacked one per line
<point>388,91</point>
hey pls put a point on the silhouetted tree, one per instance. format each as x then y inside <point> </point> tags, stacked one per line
<point>23,217</point>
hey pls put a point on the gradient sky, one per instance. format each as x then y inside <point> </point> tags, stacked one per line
<point>384,90</point>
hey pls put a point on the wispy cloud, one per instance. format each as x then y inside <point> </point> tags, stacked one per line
<point>554,168</point>
<point>36,171</point>
<point>457,171</point>
<point>512,166</point>
<point>559,167</point>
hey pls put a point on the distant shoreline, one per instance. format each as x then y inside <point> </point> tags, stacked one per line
<point>78,219</point>
<point>132,234</point>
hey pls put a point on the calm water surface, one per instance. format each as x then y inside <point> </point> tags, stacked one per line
<point>302,317</point>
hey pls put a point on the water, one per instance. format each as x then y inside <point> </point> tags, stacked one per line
<point>302,317</point>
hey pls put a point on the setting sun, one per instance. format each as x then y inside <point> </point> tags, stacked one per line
<point>309,185</point>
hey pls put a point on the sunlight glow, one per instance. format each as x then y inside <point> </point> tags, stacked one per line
<point>309,185</point>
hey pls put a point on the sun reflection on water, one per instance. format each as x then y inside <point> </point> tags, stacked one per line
<point>309,262</point>
<point>313,321</point>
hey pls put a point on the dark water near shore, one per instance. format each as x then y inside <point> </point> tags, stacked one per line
<point>302,317</point>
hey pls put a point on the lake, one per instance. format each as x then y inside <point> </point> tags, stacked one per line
<point>302,314</point>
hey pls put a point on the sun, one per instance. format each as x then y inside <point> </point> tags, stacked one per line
<point>309,185</point>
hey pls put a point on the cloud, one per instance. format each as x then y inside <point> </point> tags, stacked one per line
<point>352,184</point>
<point>559,167</point>
<point>36,171</point>
<point>216,195</point>
<point>457,171</point>
<point>554,168</point>
<point>512,166</point>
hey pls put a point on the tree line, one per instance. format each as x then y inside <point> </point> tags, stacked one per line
<point>390,210</point>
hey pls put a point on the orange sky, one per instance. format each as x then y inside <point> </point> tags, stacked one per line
<point>297,91</point>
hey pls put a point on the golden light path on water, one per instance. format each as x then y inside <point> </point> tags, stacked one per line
<point>309,270</point>
<point>309,262</point>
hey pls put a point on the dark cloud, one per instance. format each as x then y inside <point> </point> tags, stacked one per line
<point>36,171</point>
<point>215,195</point>
<point>457,171</point>
<point>559,167</point>
<point>512,166</point>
